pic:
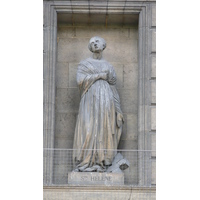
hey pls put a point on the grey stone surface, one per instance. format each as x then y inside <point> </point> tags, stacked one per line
<point>153,172</point>
<point>110,34</point>
<point>153,15</point>
<point>144,49</point>
<point>130,77</point>
<point>153,42</point>
<point>153,91</point>
<point>130,127</point>
<point>119,68</point>
<point>67,100</point>
<point>153,144</point>
<point>95,178</point>
<point>100,118</point>
<point>153,66</point>
<point>65,125</point>
<point>62,74</point>
<point>72,75</point>
<point>153,118</point>
<point>129,101</point>
<point>99,193</point>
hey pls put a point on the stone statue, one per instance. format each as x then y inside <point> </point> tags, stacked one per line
<point>99,122</point>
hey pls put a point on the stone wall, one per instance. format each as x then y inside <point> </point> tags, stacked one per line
<point>60,91</point>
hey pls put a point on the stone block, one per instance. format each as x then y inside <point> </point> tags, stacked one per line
<point>133,33</point>
<point>72,74</point>
<point>73,50</point>
<point>153,144</point>
<point>108,33</point>
<point>153,66</point>
<point>128,98</point>
<point>153,118</point>
<point>65,125</point>
<point>62,72</point>
<point>59,142</point>
<point>67,100</point>
<point>153,91</point>
<point>60,173</point>
<point>130,75</point>
<point>123,51</point>
<point>153,15</point>
<point>128,144</point>
<point>119,72</point>
<point>66,32</point>
<point>153,172</point>
<point>95,178</point>
<point>153,40</point>
<point>130,127</point>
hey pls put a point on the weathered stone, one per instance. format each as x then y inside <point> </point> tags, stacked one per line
<point>119,163</point>
<point>67,100</point>
<point>130,75</point>
<point>153,172</point>
<point>70,49</point>
<point>153,42</point>
<point>99,193</point>
<point>95,178</point>
<point>153,66</point>
<point>130,127</point>
<point>127,144</point>
<point>72,75</point>
<point>66,32</point>
<point>62,75</point>
<point>110,34</point>
<point>153,15</point>
<point>65,125</point>
<point>119,72</point>
<point>153,144</point>
<point>153,91</point>
<point>153,118</point>
<point>127,46</point>
<point>64,144</point>
<point>128,99</point>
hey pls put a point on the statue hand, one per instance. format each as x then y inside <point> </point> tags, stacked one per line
<point>104,76</point>
<point>120,119</point>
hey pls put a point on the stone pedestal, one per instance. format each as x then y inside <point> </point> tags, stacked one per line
<point>95,178</point>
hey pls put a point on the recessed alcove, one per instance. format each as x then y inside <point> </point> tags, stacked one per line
<point>73,33</point>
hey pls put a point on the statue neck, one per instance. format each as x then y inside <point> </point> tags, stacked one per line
<point>97,56</point>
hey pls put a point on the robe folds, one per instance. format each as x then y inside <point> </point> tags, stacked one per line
<point>96,134</point>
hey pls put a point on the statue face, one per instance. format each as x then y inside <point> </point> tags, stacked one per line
<point>96,44</point>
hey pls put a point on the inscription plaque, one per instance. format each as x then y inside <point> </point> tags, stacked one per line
<point>95,178</point>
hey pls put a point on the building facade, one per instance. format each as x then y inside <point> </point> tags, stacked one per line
<point>129,27</point>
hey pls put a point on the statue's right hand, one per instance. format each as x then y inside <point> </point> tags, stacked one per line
<point>104,75</point>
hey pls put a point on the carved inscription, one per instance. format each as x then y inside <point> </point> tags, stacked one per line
<point>96,178</point>
<point>100,178</point>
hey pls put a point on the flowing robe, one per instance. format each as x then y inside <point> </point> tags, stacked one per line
<point>96,134</point>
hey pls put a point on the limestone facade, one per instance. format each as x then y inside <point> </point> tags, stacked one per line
<point>129,27</point>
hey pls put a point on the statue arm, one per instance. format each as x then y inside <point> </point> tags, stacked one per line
<point>112,78</point>
<point>86,77</point>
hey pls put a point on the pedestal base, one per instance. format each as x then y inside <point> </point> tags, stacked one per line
<point>95,178</point>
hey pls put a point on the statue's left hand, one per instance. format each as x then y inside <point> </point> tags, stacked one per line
<point>120,119</point>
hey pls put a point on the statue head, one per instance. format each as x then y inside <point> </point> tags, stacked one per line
<point>96,44</point>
